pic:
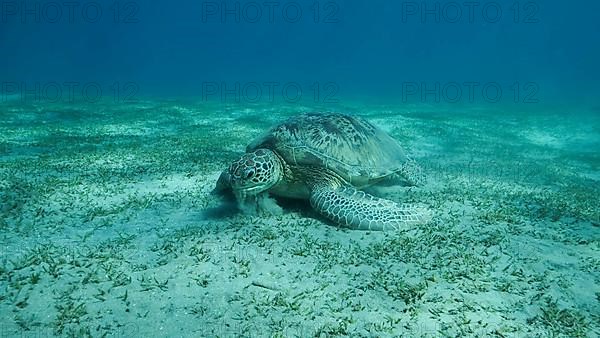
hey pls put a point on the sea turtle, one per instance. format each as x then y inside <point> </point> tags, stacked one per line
<point>325,158</point>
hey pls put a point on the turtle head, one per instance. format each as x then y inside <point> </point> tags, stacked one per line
<point>255,173</point>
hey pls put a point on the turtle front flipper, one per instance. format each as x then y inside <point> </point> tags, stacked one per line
<point>358,210</point>
<point>223,184</point>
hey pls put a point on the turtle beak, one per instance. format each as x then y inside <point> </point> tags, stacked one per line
<point>246,202</point>
<point>248,192</point>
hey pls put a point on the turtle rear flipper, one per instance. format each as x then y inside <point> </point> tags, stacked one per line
<point>412,173</point>
<point>355,209</point>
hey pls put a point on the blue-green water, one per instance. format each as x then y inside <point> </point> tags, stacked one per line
<point>117,118</point>
<point>365,49</point>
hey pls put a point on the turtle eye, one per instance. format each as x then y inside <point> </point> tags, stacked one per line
<point>248,173</point>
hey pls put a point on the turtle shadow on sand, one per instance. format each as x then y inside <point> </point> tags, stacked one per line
<point>228,207</point>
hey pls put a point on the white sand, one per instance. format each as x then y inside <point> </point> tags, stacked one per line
<point>109,229</point>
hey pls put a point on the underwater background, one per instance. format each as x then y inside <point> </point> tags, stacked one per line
<point>367,49</point>
<point>117,118</point>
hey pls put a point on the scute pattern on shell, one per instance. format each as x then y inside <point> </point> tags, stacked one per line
<point>350,146</point>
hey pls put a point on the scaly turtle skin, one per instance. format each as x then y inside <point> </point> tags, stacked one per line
<point>326,158</point>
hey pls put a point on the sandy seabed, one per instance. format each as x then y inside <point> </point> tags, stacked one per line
<point>107,228</point>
